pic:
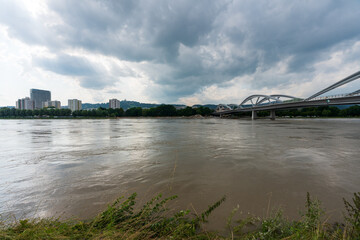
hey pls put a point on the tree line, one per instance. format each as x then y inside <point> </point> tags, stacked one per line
<point>17,113</point>
<point>171,111</point>
<point>159,111</point>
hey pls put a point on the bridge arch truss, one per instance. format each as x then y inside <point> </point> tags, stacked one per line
<point>259,99</point>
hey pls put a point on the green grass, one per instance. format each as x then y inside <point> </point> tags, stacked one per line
<point>121,220</point>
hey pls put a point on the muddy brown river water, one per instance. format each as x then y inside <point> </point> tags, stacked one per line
<point>76,167</point>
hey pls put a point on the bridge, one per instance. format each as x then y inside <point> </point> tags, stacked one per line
<point>260,102</point>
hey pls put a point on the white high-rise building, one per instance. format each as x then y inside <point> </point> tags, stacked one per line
<point>74,104</point>
<point>55,104</point>
<point>114,103</point>
<point>25,104</point>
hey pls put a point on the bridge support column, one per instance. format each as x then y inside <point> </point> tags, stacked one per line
<point>272,114</point>
<point>253,115</point>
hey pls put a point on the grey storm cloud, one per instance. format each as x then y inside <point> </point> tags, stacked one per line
<point>199,43</point>
<point>89,74</point>
<point>67,65</point>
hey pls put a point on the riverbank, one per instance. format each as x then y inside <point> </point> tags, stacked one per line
<point>124,220</point>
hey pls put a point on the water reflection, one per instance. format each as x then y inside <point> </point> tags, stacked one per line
<point>75,167</point>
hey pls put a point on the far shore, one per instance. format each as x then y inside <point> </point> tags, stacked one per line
<point>174,117</point>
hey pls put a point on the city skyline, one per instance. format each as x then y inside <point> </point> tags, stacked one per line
<point>28,103</point>
<point>176,52</point>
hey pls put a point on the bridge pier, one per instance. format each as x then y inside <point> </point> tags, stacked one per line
<point>253,115</point>
<point>272,114</point>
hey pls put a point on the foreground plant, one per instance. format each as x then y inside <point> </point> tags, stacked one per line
<point>353,215</point>
<point>311,225</point>
<point>122,220</point>
<point>118,221</point>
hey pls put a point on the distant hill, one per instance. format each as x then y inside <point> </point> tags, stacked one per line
<point>343,106</point>
<point>211,106</point>
<point>7,107</point>
<point>86,106</point>
<point>124,104</point>
<point>130,104</point>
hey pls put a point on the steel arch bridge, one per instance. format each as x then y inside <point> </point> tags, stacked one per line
<point>259,102</point>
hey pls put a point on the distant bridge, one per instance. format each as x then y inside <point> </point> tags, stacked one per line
<point>271,103</point>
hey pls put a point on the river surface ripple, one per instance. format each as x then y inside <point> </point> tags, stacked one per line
<point>76,167</point>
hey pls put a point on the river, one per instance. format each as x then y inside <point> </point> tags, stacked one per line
<point>74,168</point>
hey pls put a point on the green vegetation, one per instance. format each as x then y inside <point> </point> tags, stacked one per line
<point>126,105</point>
<point>122,220</point>
<point>159,111</point>
<point>171,111</point>
<point>17,113</point>
<point>100,112</point>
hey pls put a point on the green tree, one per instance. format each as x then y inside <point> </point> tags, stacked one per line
<point>204,111</point>
<point>354,111</point>
<point>166,110</point>
<point>334,111</point>
<point>188,111</point>
<point>134,112</point>
<point>119,112</point>
<point>325,113</point>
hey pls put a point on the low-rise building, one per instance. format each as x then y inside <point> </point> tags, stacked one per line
<point>114,103</point>
<point>55,104</point>
<point>74,104</point>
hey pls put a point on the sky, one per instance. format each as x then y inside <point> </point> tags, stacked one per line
<point>188,52</point>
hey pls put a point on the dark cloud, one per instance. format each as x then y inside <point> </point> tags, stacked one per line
<point>67,65</point>
<point>95,82</point>
<point>298,29</point>
<point>90,74</point>
<point>135,30</point>
<point>194,44</point>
